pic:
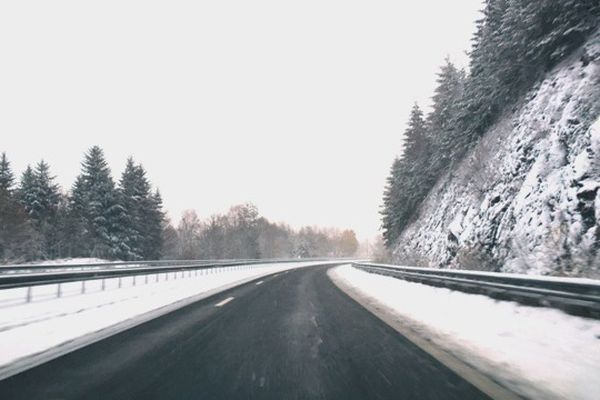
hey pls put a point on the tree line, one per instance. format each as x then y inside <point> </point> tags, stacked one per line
<point>516,42</point>
<point>243,233</point>
<point>125,220</point>
<point>97,218</point>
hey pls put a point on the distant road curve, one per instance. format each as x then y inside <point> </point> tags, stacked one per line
<point>292,335</point>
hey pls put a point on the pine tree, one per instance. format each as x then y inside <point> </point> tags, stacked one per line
<point>415,136</point>
<point>15,234</point>
<point>515,43</point>
<point>69,230</point>
<point>417,152</point>
<point>39,196</point>
<point>390,195</point>
<point>132,195</point>
<point>7,179</point>
<point>26,190</point>
<point>144,212</point>
<point>94,200</point>
<point>156,223</point>
<point>441,121</point>
<point>408,181</point>
<point>38,193</point>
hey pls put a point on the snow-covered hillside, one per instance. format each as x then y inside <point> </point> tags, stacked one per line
<point>526,198</point>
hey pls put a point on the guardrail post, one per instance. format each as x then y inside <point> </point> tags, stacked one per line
<point>103,285</point>
<point>134,280</point>
<point>157,277</point>
<point>146,280</point>
<point>28,297</point>
<point>119,282</point>
<point>59,291</point>
<point>82,287</point>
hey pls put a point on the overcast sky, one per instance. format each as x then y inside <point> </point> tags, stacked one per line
<point>298,107</point>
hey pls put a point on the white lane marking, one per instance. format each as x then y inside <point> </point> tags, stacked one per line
<point>222,303</point>
<point>258,283</point>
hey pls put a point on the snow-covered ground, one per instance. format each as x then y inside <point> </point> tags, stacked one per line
<point>31,328</point>
<point>539,353</point>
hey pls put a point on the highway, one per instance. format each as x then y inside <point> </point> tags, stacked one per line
<point>292,335</point>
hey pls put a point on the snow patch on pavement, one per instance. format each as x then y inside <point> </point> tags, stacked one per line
<point>537,352</point>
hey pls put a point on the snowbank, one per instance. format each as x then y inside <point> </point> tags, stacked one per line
<point>538,352</point>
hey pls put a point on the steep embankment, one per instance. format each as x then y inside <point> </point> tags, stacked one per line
<point>526,198</point>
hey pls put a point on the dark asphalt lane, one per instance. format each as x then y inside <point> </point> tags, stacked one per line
<point>295,336</point>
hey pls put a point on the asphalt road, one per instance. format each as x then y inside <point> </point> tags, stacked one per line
<point>293,336</point>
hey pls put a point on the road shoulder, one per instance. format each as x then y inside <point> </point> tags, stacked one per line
<point>414,333</point>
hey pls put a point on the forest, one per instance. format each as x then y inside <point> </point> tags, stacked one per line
<point>516,42</point>
<point>125,220</point>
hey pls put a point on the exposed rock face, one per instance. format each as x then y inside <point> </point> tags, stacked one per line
<point>526,198</point>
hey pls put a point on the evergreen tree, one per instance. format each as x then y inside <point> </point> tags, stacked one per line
<point>155,224</point>
<point>390,194</point>
<point>39,196</point>
<point>407,184</point>
<point>69,230</point>
<point>48,193</point>
<point>515,43</point>
<point>441,121</point>
<point>7,179</point>
<point>15,235</point>
<point>94,200</point>
<point>144,214</point>
<point>133,191</point>
<point>26,190</point>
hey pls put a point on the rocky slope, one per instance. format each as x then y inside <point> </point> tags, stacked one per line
<point>526,198</point>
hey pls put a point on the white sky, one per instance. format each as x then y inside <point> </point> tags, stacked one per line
<point>298,107</point>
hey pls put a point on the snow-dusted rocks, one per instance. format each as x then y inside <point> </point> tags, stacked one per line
<point>526,198</point>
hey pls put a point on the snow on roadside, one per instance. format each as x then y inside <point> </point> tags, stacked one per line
<point>30,328</point>
<point>537,352</point>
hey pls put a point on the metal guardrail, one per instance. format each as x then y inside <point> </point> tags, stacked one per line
<point>576,298</point>
<point>16,268</point>
<point>53,274</point>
